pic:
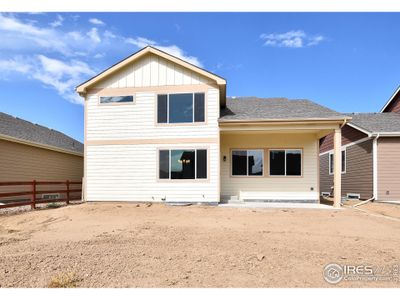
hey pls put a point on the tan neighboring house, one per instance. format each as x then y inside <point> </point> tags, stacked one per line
<point>32,152</point>
<point>370,155</point>
<point>158,128</point>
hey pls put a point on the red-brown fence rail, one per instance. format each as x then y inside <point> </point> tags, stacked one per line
<point>69,189</point>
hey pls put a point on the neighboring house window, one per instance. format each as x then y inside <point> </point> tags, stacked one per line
<point>183,164</point>
<point>285,162</point>
<point>181,108</point>
<point>247,162</point>
<point>116,99</point>
<point>343,162</point>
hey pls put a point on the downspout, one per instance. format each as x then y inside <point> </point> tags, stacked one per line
<point>375,166</point>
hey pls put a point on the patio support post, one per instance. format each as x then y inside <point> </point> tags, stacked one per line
<point>337,167</point>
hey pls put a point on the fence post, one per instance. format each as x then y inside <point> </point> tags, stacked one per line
<point>67,192</point>
<point>33,205</point>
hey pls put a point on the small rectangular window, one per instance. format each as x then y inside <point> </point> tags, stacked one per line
<point>199,107</point>
<point>116,99</point>
<point>285,162</point>
<point>183,164</point>
<point>247,162</point>
<point>162,108</point>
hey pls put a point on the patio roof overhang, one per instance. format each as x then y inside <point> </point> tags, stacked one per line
<point>319,127</point>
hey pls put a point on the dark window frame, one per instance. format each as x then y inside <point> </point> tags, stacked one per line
<point>193,109</point>
<point>247,163</point>
<point>117,103</point>
<point>195,164</point>
<point>331,162</point>
<point>285,167</point>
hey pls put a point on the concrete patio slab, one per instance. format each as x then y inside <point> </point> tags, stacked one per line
<point>278,205</point>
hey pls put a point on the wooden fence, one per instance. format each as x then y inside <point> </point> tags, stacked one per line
<point>33,190</point>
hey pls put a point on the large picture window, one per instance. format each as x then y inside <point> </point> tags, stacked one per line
<point>285,162</point>
<point>343,162</point>
<point>181,108</point>
<point>247,162</point>
<point>183,164</point>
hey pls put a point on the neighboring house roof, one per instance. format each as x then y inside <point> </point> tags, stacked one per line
<point>16,129</point>
<point>83,86</point>
<point>376,123</point>
<point>264,109</point>
<point>395,96</point>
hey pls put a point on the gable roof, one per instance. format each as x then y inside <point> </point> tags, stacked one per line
<point>268,109</point>
<point>376,123</point>
<point>19,130</point>
<point>395,95</point>
<point>81,89</point>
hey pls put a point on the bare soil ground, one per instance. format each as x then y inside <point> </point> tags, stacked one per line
<point>132,245</point>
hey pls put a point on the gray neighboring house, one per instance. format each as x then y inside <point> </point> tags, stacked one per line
<point>33,152</point>
<point>370,155</point>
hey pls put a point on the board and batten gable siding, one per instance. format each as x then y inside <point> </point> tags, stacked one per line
<point>349,135</point>
<point>358,178</point>
<point>123,140</point>
<point>274,188</point>
<point>388,169</point>
<point>154,71</point>
<point>20,162</point>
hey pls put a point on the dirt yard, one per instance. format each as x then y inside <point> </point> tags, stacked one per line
<point>132,245</point>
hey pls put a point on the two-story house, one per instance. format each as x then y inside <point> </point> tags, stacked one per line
<point>158,128</point>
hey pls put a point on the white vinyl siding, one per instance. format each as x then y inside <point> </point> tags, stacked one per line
<point>113,122</point>
<point>130,173</point>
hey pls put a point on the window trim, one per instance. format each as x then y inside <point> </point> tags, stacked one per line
<point>116,103</point>
<point>330,162</point>
<point>195,167</point>
<point>286,149</point>
<point>247,162</point>
<point>193,123</point>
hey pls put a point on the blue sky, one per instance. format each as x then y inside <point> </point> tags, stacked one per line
<point>346,61</point>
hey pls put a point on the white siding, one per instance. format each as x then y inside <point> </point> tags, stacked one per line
<point>129,173</point>
<point>129,121</point>
<point>119,170</point>
<point>152,70</point>
<point>272,188</point>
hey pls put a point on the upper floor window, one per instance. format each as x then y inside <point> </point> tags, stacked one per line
<point>116,99</point>
<point>181,108</point>
<point>343,162</point>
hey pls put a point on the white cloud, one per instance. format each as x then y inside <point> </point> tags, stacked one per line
<point>174,50</point>
<point>58,22</point>
<point>291,39</point>
<point>96,21</point>
<point>62,59</point>
<point>94,35</point>
<point>53,73</point>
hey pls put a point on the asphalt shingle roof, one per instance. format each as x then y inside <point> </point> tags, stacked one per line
<point>377,122</point>
<point>24,130</point>
<point>252,108</point>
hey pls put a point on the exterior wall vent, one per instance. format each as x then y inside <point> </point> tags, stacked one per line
<point>351,196</point>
